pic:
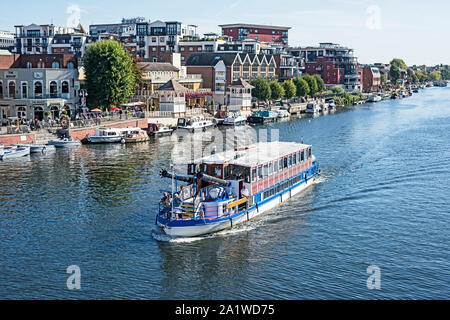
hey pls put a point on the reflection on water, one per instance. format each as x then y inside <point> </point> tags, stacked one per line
<point>380,201</point>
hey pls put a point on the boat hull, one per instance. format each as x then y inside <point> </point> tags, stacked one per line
<point>103,140</point>
<point>253,119</point>
<point>63,144</point>
<point>17,153</point>
<point>204,227</point>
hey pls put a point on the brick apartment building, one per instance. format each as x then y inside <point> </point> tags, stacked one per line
<point>263,33</point>
<point>371,79</point>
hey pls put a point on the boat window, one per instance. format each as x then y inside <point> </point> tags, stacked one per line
<point>285,163</point>
<point>295,158</point>
<point>253,174</point>
<point>270,168</point>
<point>306,153</point>
<point>247,175</point>
<point>266,170</point>
<point>203,168</point>
<point>303,156</point>
<point>310,152</point>
<point>280,165</point>
<point>275,166</point>
<point>260,175</point>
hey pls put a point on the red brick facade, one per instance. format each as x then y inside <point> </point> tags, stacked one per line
<point>44,60</point>
<point>263,33</point>
<point>6,61</point>
<point>327,70</point>
<point>8,140</point>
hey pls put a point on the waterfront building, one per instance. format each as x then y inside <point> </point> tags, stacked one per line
<point>220,70</point>
<point>6,40</point>
<point>371,79</point>
<point>37,83</point>
<point>239,95</point>
<point>336,64</point>
<point>172,99</point>
<point>49,39</point>
<point>263,33</point>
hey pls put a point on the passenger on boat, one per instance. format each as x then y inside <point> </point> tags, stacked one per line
<point>245,193</point>
<point>176,201</point>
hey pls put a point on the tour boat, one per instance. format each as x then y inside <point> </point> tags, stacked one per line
<point>13,152</point>
<point>136,135</point>
<point>232,187</point>
<point>106,135</point>
<point>37,148</point>
<point>260,116</point>
<point>312,108</point>
<point>157,129</point>
<point>193,124</point>
<point>283,113</point>
<point>234,119</point>
<point>64,143</point>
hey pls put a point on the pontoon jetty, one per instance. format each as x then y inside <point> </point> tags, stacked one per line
<point>232,187</point>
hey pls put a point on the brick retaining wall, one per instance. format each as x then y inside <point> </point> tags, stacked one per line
<point>10,139</point>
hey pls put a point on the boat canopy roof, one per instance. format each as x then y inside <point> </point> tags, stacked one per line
<point>254,155</point>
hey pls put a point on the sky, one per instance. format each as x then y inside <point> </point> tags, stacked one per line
<point>378,30</point>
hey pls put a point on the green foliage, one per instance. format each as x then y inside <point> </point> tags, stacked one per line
<point>262,90</point>
<point>337,89</point>
<point>302,87</point>
<point>445,74</point>
<point>111,74</point>
<point>277,91</point>
<point>399,64</point>
<point>320,83</point>
<point>422,76</point>
<point>435,76</point>
<point>383,78</point>
<point>290,89</point>
<point>312,82</point>
<point>395,73</point>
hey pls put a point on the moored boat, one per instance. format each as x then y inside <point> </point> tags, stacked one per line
<point>312,108</point>
<point>260,116</point>
<point>229,188</point>
<point>193,124</point>
<point>64,143</point>
<point>157,130</point>
<point>106,135</point>
<point>283,113</point>
<point>137,135</point>
<point>13,152</point>
<point>234,118</point>
<point>37,148</point>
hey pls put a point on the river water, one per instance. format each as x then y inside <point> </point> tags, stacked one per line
<point>383,200</point>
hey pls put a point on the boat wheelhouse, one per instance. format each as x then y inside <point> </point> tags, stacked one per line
<point>106,135</point>
<point>234,118</point>
<point>232,187</point>
<point>312,108</point>
<point>157,129</point>
<point>136,135</point>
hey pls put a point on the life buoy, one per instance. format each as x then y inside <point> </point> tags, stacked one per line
<point>222,114</point>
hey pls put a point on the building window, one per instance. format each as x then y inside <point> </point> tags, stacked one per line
<point>70,65</point>
<point>256,30</point>
<point>181,48</point>
<point>162,49</point>
<point>65,87</point>
<point>24,90</point>
<point>53,89</point>
<point>256,37</point>
<point>29,65</point>
<point>199,49</point>
<point>153,49</point>
<point>11,89</point>
<point>38,89</point>
<point>55,65</point>
<point>273,38</point>
<point>191,49</point>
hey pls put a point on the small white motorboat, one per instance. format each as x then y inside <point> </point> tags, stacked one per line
<point>64,143</point>
<point>283,113</point>
<point>37,148</point>
<point>312,108</point>
<point>198,123</point>
<point>234,118</point>
<point>13,152</point>
<point>157,130</point>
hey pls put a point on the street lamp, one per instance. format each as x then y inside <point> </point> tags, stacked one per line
<point>83,95</point>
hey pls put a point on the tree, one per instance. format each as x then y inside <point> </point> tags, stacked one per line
<point>290,89</point>
<point>277,91</point>
<point>110,74</point>
<point>422,75</point>
<point>445,74</point>
<point>383,79</point>
<point>435,76</point>
<point>399,63</point>
<point>313,89</point>
<point>302,87</point>
<point>395,73</point>
<point>262,90</point>
<point>320,83</point>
